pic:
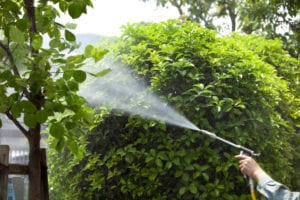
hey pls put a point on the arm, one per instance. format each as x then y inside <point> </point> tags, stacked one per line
<point>266,185</point>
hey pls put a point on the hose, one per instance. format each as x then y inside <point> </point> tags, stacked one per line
<point>252,191</point>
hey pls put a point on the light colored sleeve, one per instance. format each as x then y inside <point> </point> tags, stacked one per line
<point>273,190</point>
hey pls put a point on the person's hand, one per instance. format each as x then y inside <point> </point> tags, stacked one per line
<point>249,167</point>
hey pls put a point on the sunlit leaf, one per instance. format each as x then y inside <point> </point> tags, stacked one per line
<point>37,42</point>
<point>103,72</point>
<point>99,54</point>
<point>71,25</point>
<point>16,35</point>
<point>89,50</point>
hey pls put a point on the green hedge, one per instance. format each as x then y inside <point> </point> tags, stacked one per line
<point>242,87</point>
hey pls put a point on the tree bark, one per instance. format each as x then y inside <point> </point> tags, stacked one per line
<point>34,165</point>
<point>4,157</point>
<point>178,5</point>
<point>232,16</point>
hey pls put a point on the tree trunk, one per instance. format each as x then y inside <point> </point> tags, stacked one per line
<point>34,165</point>
<point>4,156</point>
<point>178,5</point>
<point>232,16</point>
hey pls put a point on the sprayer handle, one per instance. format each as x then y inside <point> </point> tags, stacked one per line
<point>243,153</point>
<point>248,152</point>
<point>251,182</point>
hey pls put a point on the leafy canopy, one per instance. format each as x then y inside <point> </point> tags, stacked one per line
<point>39,75</point>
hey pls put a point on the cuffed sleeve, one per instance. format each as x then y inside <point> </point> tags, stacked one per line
<point>273,190</point>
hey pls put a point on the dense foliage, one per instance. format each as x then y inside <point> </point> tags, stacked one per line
<point>243,88</point>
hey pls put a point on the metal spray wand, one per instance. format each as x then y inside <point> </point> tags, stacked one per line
<point>243,150</point>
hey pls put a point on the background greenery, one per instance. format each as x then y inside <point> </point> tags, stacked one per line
<point>244,88</point>
<point>270,18</point>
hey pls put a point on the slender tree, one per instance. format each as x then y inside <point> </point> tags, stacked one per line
<point>39,81</point>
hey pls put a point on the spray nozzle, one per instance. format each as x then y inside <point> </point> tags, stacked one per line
<point>240,147</point>
<point>208,133</point>
<point>248,151</point>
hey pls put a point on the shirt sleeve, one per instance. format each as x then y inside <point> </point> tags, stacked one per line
<point>273,190</point>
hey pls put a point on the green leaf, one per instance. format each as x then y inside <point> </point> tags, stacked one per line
<point>16,35</point>
<point>168,165</point>
<point>103,72</point>
<point>182,190</point>
<point>88,115</point>
<point>0,123</point>
<point>16,110</point>
<point>69,36</point>
<point>56,130</point>
<point>89,50</point>
<point>5,75</point>
<point>193,188</point>
<point>22,24</point>
<point>60,144</point>
<point>205,176</point>
<point>30,120</point>
<point>63,6</point>
<point>71,25</point>
<point>158,162</point>
<point>75,59</point>
<point>162,155</point>
<point>178,173</point>
<point>152,176</point>
<point>42,116</point>
<point>55,43</point>
<point>99,54</point>
<point>79,76</point>
<point>4,107</point>
<point>181,153</point>
<point>70,125</point>
<point>75,10</point>
<point>148,159</point>
<point>27,107</point>
<point>73,147</point>
<point>73,86</point>
<point>21,82</point>
<point>196,174</point>
<point>37,42</point>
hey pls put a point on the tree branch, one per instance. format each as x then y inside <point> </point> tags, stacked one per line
<point>14,67</point>
<point>18,124</point>
<point>29,5</point>
<point>30,11</point>
<point>178,5</point>
<point>10,58</point>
